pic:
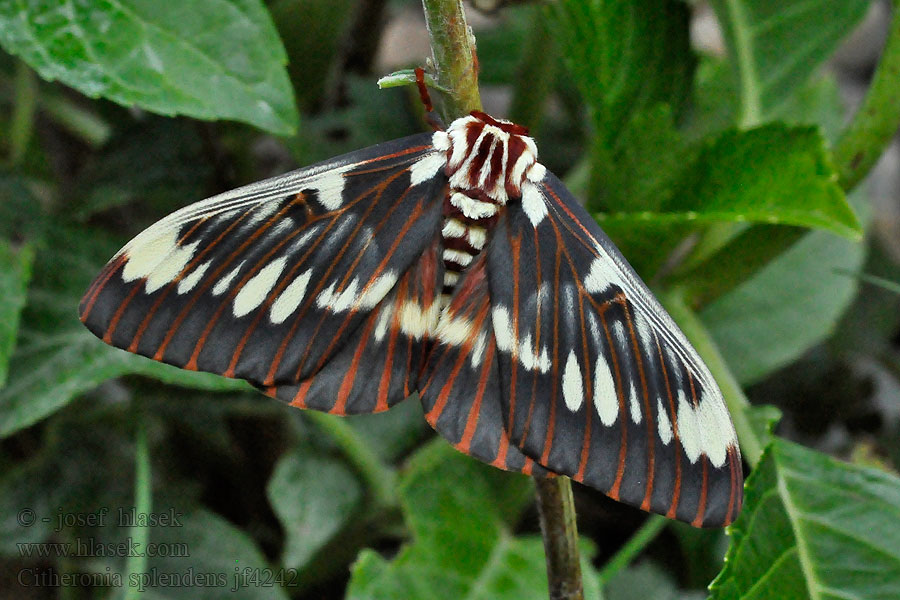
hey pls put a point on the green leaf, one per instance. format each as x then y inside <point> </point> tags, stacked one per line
<point>817,102</point>
<point>776,44</point>
<point>716,102</point>
<point>209,59</point>
<point>21,215</point>
<point>24,491</point>
<point>730,254</point>
<point>764,418</point>
<point>15,272</point>
<point>772,174</point>
<point>651,157</point>
<point>85,468</point>
<point>727,254</point>
<point>813,527</point>
<point>786,307</point>
<point>313,497</point>
<point>462,549</point>
<point>56,357</point>
<point>624,56</point>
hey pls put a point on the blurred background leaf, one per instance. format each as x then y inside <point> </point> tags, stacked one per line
<point>790,304</point>
<point>314,497</point>
<point>775,45</point>
<point>15,272</point>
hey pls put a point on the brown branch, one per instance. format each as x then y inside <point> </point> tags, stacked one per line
<point>560,531</point>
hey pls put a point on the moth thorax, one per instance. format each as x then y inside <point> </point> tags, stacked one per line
<point>487,155</point>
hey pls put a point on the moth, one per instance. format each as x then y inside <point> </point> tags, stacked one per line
<point>455,265</point>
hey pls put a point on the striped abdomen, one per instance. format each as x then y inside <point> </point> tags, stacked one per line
<point>487,162</point>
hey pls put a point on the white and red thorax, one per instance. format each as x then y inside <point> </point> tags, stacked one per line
<point>490,162</point>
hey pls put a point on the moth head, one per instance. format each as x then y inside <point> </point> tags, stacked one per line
<point>488,155</point>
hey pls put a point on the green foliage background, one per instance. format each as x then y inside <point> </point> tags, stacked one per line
<point>714,174</point>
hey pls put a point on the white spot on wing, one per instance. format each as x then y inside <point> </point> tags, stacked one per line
<point>416,322</point>
<point>335,238</point>
<point>384,319</point>
<point>644,333</point>
<point>533,203</point>
<point>478,350</point>
<point>377,290</point>
<point>605,399</point>
<point>145,254</point>
<point>675,366</point>
<point>634,404</point>
<point>330,187</point>
<point>223,284</point>
<point>503,330</point>
<point>340,301</point>
<point>254,292</point>
<point>282,226</point>
<point>260,212</point>
<point>170,267</point>
<point>603,274</point>
<point>619,334</point>
<point>454,331</point>
<point>662,423</point>
<point>688,429</point>
<point>572,385</point>
<point>530,359</point>
<point>188,283</point>
<point>594,327</point>
<point>290,298</point>
<point>301,241</point>
<point>716,431</point>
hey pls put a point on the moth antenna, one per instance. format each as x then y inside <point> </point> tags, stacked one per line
<point>430,116</point>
